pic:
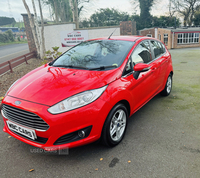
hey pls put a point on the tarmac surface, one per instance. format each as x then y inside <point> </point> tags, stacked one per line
<point>12,51</point>
<point>162,139</point>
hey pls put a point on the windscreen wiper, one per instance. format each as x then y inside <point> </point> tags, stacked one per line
<point>103,67</point>
<point>70,66</point>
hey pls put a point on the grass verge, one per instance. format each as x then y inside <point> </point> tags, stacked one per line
<point>14,42</point>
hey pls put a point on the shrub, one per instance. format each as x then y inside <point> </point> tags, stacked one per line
<point>10,35</point>
<point>7,37</point>
<point>53,54</point>
<point>4,38</point>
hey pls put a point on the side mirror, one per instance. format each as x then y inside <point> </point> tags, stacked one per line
<point>138,68</point>
<point>141,67</point>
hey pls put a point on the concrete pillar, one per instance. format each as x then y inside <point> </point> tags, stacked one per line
<point>29,34</point>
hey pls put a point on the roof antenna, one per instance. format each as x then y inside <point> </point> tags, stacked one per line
<point>112,33</point>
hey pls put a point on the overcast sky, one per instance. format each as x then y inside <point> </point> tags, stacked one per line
<point>17,8</point>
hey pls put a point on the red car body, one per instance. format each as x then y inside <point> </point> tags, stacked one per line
<point>45,86</point>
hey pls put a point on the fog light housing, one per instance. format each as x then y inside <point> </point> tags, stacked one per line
<point>81,133</point>
<point>74,136</point>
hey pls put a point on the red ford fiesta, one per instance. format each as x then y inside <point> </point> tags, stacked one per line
<point>88,93</point>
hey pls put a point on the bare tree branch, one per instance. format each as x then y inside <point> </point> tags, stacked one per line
<point>32,27</point>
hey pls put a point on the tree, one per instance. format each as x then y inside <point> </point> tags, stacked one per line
<point>6,36</point>
<point>67,10</point>
<point>165,21</point>
<point>139,23</point>
<point>145,7</point>
<point>77,7</point>
<point>76,13</point>
<point>6,21</point>
<point>187,9</point>
<point>36,24</point>
<point>61,9</point>
<point>162,21</point>
<point>42,31</point>
<point>32,24</point>
<point>9,33</point>
<point>197,18</point>
<point>107,17</point>
<point>39,44</point>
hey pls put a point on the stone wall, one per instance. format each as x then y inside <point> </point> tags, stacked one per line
<point>29,34</point>
<point>128,28</point>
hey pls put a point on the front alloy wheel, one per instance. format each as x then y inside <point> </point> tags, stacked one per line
<point>115,125</point>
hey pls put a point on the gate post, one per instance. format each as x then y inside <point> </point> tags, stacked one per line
<point>128,28</point>
<point>29,34</point>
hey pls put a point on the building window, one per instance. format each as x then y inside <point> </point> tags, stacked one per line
<point>186,38</point>
<point>196,37</point>
<point>180,38</point>
<point>166,39</point>
<point>149,35</point>
<point>159,36</point>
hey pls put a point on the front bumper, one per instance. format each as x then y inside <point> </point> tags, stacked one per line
<point>92,115</point>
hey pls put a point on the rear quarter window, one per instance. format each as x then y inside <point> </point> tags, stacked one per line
<point>158,48</point>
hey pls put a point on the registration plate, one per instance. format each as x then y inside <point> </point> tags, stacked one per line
<point>22,130</point>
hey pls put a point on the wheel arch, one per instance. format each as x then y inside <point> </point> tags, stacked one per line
<point>126,104</point>
<point>104,132</point>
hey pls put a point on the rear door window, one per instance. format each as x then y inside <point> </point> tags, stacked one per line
<point>157,48</point>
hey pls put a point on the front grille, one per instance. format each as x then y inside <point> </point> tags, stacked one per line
<point>24,118</point>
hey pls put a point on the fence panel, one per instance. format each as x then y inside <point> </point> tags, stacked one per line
<point>9,65</point>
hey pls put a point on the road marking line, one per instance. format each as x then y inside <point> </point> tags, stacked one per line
<point>14,53</point>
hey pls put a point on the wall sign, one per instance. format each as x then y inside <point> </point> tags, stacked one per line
<point>73,38</point>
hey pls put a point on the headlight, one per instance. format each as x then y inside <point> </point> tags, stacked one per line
<point>77,101</point>
<point>11,87</point>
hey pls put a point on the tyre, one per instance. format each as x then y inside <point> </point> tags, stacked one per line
<point>168,86</point>
<point>115,126</point>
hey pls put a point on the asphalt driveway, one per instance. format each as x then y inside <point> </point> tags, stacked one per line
<point>162,139</point>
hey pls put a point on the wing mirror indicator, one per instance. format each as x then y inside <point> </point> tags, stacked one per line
<point>141,67</point>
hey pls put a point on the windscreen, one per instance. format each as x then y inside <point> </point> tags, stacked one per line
<point>95,54</point>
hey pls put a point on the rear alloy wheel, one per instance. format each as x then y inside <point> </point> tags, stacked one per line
<point>115,125</point>
<point>168,86</point>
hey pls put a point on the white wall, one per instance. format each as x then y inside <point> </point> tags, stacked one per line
<point>52,34</point>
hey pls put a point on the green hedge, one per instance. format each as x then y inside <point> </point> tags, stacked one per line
<point>6,36</point>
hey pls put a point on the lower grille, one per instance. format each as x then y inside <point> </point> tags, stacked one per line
<point>71,137</point>
<point>24,118</point>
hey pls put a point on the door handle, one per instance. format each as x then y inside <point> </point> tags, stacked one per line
<point>153,68</point>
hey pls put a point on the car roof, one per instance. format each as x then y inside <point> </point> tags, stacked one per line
<point>124,38</point>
